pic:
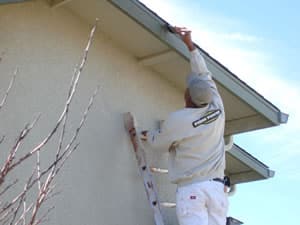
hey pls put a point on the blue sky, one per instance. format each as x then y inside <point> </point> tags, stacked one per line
<point>259,42</point>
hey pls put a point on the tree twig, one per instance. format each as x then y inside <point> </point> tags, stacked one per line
<point>11,211</point>
<point>78,73</point>
<point>9,87</point>
<point>8,187</point>
<point>11,156</point>
<point>2,139</point>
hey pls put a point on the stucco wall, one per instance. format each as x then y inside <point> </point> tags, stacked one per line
<point>100,184</point>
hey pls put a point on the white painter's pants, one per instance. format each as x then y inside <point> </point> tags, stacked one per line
<point>203,203</point>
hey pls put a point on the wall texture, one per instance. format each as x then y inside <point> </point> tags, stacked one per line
<point>100,184</point>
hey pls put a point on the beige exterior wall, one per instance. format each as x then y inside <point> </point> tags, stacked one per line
<point>100,184</point>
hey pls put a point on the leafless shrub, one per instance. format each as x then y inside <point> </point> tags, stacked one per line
<point>18,210</point>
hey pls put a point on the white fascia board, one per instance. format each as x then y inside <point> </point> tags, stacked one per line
<point>158,27</point>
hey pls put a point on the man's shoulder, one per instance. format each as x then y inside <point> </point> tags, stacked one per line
<point>178,120</point>
<point>182,115</point>
<point>190,114</point>
<point>178,114</point>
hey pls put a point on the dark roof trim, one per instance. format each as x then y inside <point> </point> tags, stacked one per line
<point>158,27</point>
<point>11,1</point>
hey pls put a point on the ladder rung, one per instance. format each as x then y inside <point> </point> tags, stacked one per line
<point>168,204</point>
<point>158,170</point>
<point>149,182</point>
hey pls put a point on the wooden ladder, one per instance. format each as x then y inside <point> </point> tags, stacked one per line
<point>145,170</point>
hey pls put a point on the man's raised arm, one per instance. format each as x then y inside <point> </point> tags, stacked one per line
<point>198,64</point>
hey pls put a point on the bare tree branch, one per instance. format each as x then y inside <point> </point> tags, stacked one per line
<point>38,165</point>
<point>8,89</point>
<point>67,152</point>
<point>8,187</point>
<point>67,156</point>
<point>75,83</point>
<point>66,117</point>
<point>45,190</point>
<point>11,156</point>
<point>18,208</point>
<point>5,217</point>
<point>15,211</point>
<point>46,186</point>
<point>42,219</point>
<point>19,197</point>
<point>2,139</point>
<point>23,216</point>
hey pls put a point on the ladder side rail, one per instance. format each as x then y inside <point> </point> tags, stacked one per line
<point>144,169</point>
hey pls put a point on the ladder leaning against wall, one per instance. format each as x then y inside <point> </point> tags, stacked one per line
<point>146,171</point>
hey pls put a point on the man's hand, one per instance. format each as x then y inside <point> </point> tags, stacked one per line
<point>186,37</point>
<point>144,135</point>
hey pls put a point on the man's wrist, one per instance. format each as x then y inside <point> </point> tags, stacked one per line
<point>191,46</point>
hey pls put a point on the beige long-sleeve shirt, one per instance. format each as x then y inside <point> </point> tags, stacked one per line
<point>194,136</point>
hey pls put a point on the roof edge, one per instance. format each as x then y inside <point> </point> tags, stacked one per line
<point>251,161</point>
<point>159,28</point>
<point>12,1</point>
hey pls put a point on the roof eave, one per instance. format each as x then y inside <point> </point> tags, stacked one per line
<point>158,27</point>
<point>258,169</point>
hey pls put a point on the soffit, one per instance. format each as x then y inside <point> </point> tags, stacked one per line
<point>160,51</point>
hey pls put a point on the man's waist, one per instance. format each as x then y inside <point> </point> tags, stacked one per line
<point>225,180</point>
<point>218,177</point>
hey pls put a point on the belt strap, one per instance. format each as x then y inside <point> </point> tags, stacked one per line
<point>225,180</point>
<point>218,180</point>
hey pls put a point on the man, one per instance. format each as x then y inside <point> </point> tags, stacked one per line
<point>194,138</point>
